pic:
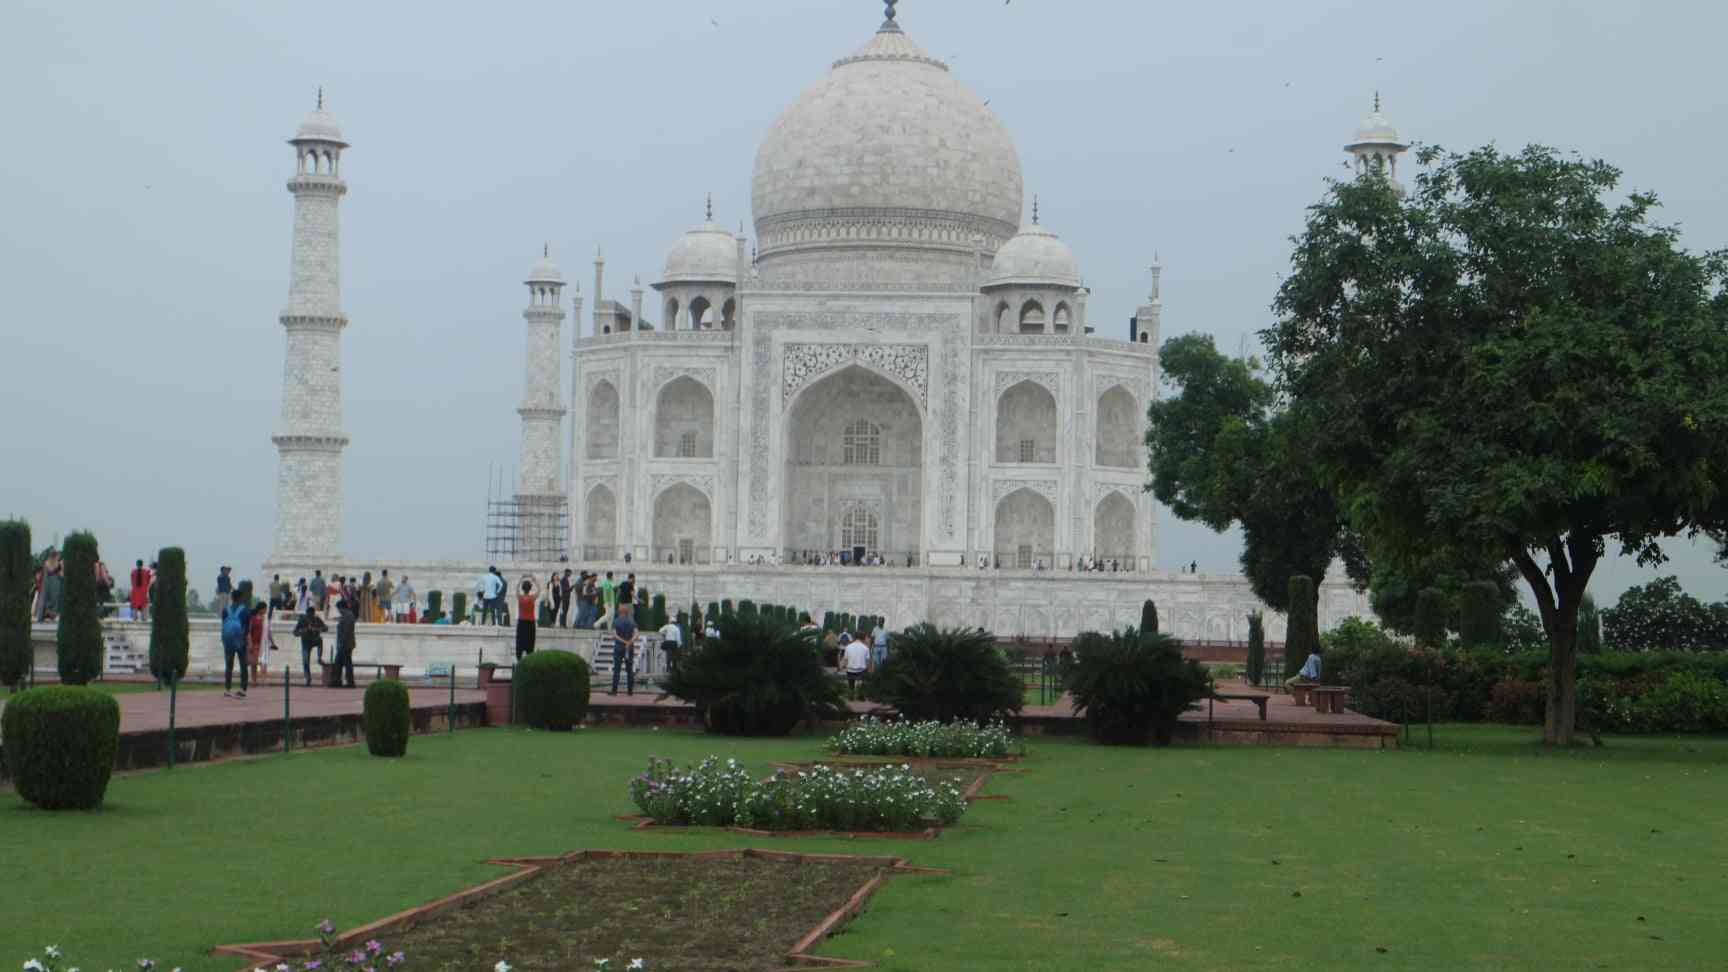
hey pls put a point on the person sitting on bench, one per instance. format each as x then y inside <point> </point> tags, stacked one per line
<point>1310,673</point>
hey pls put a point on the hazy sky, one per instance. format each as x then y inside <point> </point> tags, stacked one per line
<point>145,239</point>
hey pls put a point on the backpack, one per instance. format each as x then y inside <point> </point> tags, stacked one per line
<point>234,626</point>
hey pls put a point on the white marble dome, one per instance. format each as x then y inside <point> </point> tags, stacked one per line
<point>1037,257</point>
<point>706,254</point>
<point>1375,129</point>
<point>888,150</point>
<point>545,271</point>
<point>320,126</point>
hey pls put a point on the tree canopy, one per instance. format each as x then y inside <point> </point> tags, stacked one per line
<point>1222,454</point>
<point>1659,616</point>
<point>1506,360</point>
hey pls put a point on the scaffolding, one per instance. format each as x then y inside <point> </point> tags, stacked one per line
<point>531,529</point>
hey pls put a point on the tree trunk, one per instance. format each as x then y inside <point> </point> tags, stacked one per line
<point>1562,717</point>
<point>1570,561</point>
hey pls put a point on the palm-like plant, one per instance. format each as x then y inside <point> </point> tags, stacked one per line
<point>757,679</point>
<point>946,674</point>
<point>1132,687</point>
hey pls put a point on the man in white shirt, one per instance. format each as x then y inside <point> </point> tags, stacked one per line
<point>856,655</point>
<point>671,642</point>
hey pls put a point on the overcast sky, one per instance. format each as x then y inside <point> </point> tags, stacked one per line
<point>145,234</point>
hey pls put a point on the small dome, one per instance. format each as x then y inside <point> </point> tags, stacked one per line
<point>545,271</point>
<point>706,254</point>
<point>1034,256</point>
<point>1375,128</point>
<point>320,126</point>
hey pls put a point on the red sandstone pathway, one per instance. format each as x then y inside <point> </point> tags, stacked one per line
<point>148,711</point>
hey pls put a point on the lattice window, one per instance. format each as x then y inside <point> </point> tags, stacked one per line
<point>686,551</point>
<point>687,446</point>
<point>863,443</point>
<point>1023,556</point>
<point>860,528</point>
<point>1028,450</point>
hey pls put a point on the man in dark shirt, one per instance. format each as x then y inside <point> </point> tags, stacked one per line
<point>310,630</point>
<point>624,648</point>
<point>345,619</point>
<point>564,596</point>
<point>627,590</point>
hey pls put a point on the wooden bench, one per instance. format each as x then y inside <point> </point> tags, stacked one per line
<point>1258,698</point>
<point>1299,692</point>
<point>379,670</point>
<point>1329,698</point>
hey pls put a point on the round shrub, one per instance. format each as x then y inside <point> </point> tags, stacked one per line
<point>552,690</point>
<point>387,718</point>
<point>946,674</point>
<point>1132,687</point>
<point>759,678</point>
<point>60,742</point>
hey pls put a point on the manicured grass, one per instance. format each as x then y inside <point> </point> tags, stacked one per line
<point>128,688</point>
<point>1485,853</point>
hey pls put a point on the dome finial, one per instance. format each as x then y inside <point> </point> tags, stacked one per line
<point>1034,209</point>
<point>320,97</point>
<point>546,250</point>
<point>1376,100</point>
<point>889,25</point>
<point>710,216</point>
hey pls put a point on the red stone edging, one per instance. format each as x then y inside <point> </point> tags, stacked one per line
<point>257,953</point>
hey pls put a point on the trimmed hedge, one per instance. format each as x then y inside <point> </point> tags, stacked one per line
<point>1631,692</point>
<point>552,690</point>
<point>1256,647</point>
<point>1148,617</point>
<point>60,745</point>
<point>459,608</point>
<point>17,575</point>
<point>79,637</point>
<point>387,718</point>
<point>170,641</point>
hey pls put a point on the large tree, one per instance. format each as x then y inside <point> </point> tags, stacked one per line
<point>1505,360</point>
<point>1223,454</point>
<point>1659,616</point>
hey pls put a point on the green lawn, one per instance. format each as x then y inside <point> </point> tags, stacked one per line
<point>1485,853</point>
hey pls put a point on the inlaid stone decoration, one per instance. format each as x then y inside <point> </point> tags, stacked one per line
<point>801,364</point>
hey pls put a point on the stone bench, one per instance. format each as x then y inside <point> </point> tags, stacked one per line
<point>1299,692</point>
<point>1258,698</point>
<point>332,678</point>
<point>1329,698</point>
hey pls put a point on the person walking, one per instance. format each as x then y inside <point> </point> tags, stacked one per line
<point>234,625</point>
<point>857,659</point>
<point>386,597</point>
<point>624,650</point>
<point>302,598</point>
<point>367,609</point>
<point>407,602</point>
<point>879,648</point>
<point>525,620</point>
<point>566,591</point>
<point>608,601</point>
<point>588,597</point>
<point>671,642</point>
<point>554,596</point>
<point>316,588</point>
<point>310,630</point>
<point>140,596</point>
<point>345,620</point>
<point>224,587</point>
<point>627,591</point>
<point>256,622</point>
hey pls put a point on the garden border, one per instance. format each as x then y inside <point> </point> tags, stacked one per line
<point>257,953</point>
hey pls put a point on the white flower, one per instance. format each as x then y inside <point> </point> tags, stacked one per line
<point>33,966</point>
<point>502,966</point>
<point>52,951</point>
<point>637,964</point>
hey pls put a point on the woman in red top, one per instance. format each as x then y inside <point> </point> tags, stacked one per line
<point>525,616</point>
<point>255,644</point>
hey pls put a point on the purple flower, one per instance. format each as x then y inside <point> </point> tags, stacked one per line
<point>374,946</point>
<point>314,964</point>
<point>326,926</point>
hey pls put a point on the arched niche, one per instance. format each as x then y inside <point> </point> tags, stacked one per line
<point>854,439</point>
<point>1118,442</point>
<point>684,420</point>
<point>1026,424</point>
<point>683,525</point>
<point>1113,529</point>
<point>1025,529</point>
<point>600,527</point>
<point>603,415</point>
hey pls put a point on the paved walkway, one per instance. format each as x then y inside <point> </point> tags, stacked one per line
<point>148,711</point>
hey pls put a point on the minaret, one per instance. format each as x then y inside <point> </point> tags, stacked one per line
<point>1148,317</point>
<point>539,495</point>
<point>1377,146</point>
<point>309,440</point>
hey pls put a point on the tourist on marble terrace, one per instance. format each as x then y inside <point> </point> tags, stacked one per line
<point>386,597</point>
<point>624,648</point>
<point>406,602</point>
<point>310,630</point>
<point>316,587</point>
<point>224,586</point>
<point>525,617</point>
<point>566,591</point>
<point>140,597</point>
<point>257,622</point>
<point>234,630</point>
<point>345,619</point>
<point>367,610</point>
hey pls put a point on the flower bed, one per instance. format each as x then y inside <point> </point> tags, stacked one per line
<point>873,737</point>
<point>715,794</point>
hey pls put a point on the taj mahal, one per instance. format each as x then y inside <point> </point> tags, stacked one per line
<point>899,370</point>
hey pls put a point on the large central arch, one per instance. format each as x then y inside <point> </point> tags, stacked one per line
<point>854,456</point>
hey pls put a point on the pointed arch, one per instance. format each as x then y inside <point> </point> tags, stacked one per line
<point>1061,320</point>
<point>1025,529</point>
<point>1031,317</point>
<point>1118,441</point>
<point>684,420</point>
<point>1113,533</point>
<point>600,523</point>
<point>1026,421</point>
<point>602,419</point>
<point>683,525</point>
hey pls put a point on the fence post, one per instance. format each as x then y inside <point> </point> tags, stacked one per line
<point>173,695</point>
<point>1428,696</point>
<point>287,719</point>
<point>450,715</point>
